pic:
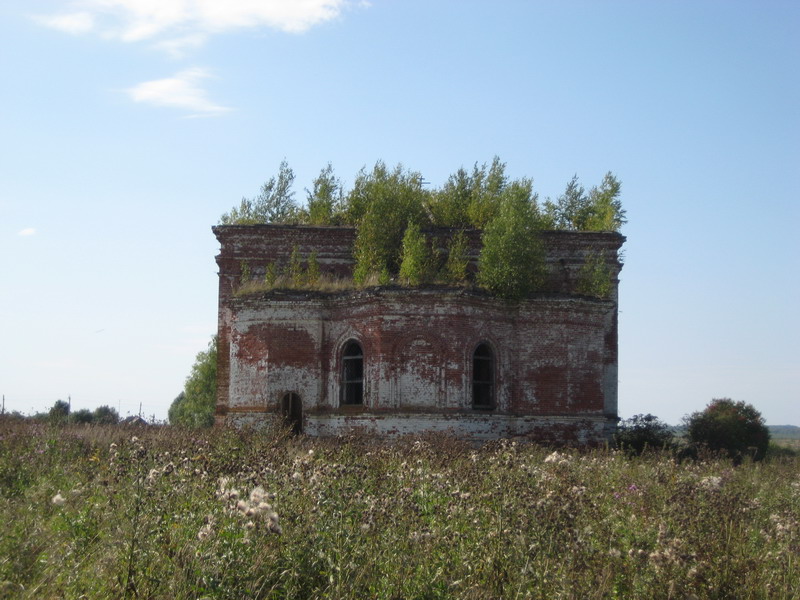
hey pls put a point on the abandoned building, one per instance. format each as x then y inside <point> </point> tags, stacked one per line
<point>393,360</point>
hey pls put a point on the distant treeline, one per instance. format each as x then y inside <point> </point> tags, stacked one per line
<point>784,432</point>
<point>777,432</point>
<point>61,412</point>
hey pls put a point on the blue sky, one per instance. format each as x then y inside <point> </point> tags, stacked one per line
<point>127,127</point>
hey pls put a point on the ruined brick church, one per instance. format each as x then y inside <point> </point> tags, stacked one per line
<point>392,360</point>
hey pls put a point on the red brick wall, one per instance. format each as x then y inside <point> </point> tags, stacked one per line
<point>555,354</point>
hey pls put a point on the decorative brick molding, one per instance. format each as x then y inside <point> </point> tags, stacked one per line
<point>553,356</point>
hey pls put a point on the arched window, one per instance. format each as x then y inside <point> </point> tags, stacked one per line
<point>292,409</point>
<point>483,377</point>
<point>352,374</point>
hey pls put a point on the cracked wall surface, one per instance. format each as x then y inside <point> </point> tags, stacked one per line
<point>554,354</point>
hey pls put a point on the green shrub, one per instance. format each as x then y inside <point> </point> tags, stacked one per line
<point>381,205</point>
<point>456,269</point>
<point>271,274</point>
<point>244,272</point>
<point>105,415</point>
<point>296,273</point>
<point>83,416</point>
<point>736,428</point>
<point>642,432</point>
<point>511,263</point>
<point>595,277</point>
<point>312,272</point>
<point>415,267</point>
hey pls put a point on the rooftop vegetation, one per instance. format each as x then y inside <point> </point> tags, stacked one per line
<point>390,209</point>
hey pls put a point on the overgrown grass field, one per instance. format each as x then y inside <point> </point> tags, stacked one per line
<point>105,512</point>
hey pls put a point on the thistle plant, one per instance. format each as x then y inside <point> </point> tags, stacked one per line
<point>179,513</point>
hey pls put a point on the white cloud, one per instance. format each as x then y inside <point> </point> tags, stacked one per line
<point>180,91</point>
<point>27,231</point>
<point>179,47</point>
<point>175,20</point>
<point>74,23</point>
<point>177,27</point>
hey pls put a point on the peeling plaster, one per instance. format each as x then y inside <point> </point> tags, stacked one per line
<point>555,353</point>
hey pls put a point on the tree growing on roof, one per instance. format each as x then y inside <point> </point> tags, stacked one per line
<point>325,202</point>
<point>274,203</point>
<point>599,210</point>
<point>511,264</point>
<point>381,205</point>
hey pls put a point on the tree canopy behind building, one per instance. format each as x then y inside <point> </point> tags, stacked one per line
<point>194,406</point>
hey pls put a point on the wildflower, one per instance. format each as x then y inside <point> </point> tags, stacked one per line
<point>557,457</point>
<point>711,483</point>
<point>134,439</point>
<point>222,486</point>
<point>58,499</point>
<point>257,495</point>
<point>205,531</point>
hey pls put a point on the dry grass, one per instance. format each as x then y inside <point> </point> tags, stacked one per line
<point>325,283</point>
<point>102,512</point>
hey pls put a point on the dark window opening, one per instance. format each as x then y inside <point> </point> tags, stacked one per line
<point>352,374</point>
<point>292,409</point>
<point>483,377</point>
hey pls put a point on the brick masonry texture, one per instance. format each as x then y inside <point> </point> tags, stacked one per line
<point>554,355</point>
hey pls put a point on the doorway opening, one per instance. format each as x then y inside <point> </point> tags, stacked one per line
<point>292,410</point>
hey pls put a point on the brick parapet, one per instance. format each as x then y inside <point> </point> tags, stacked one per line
<point>556,352</point>
<point>258,245</point>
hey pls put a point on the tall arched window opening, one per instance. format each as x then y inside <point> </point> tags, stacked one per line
<point>352,374</point>
<point>483,377</point>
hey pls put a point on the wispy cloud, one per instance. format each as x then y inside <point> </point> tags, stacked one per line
<point>181,46</point>
<point>177,27</point>
<point>27,232</point>
<point>179,91</point>
<point>75,23</point>
<point>173,20</point>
